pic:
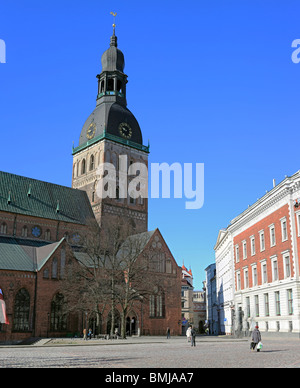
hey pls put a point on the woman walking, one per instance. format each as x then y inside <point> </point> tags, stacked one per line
<point>256,338</point>
<point>189,334</point>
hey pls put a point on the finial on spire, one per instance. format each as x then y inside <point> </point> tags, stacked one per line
<point>114,15</point>
<point>113,39</point>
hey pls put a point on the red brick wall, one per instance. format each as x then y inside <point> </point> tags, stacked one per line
<point>45,288</point>
<point>12,281</point>
<point>297,237</point>
<point>15,223</point>
<point>269,251</point>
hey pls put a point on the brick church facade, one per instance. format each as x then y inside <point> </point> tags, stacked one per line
<point>41,225</point>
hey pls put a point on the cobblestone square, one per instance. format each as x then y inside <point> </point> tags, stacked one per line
<point>153,352</point>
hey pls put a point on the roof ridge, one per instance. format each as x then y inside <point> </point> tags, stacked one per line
<point>36,180</point>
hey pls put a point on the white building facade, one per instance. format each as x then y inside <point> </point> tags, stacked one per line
<point>257,264</point>
<point>224,281</point>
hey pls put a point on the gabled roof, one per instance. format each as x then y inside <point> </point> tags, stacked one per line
<point>221,235</point>
<point>25,255</point>
<point>135,244</point>
<point>132,246</point>
<point>36,198</point>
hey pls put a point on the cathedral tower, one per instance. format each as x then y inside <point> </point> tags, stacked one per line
<point>111,131</point>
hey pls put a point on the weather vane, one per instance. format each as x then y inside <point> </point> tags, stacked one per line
<point>114,15</point>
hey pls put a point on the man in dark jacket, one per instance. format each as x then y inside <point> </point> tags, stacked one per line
<point>256,338</point>
<point>193,337</point>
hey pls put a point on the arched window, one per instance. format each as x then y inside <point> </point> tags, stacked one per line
<point>54,268</point>
<point>119,86</point>
<point>46,273</point>
<point>24,231</point>
<point>83,167</point>
<point>157,304</point>
<point>92,162</point>
<point>107,156</point>
<point>21,311</point>
<point>58,321</point>
<point>48,235</point>
<point>3,228</point>
<point>62,262</point>
<point>110,85</point>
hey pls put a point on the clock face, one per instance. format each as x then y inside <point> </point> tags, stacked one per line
<point>125,130</point>
<point>90,133</point>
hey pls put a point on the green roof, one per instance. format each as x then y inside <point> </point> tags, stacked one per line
<point>36,198</point>
<point>18,254</point>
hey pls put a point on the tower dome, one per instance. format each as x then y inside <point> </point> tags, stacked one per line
<point>113,58</point>
<point>111,118</point>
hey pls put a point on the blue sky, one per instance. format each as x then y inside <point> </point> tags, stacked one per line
<point>209,82</point>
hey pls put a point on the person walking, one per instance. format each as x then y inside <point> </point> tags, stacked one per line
<point>84,334</point>
<point>256,338</point>
<point>168,333</point>
<point>193,336</point>
<point>189,333</point>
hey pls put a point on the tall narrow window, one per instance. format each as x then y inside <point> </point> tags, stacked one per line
<point>277,302</point>
<point>58,320</point>
<point>83,167</point>
<point>272,236</point>
<point>3,228</point>
<point>254,276</point>
<point>157,305</point>
<point>21,311</point>
<point>248,306</point>
<point>237,253</point>
<point>266,299</point>
<point>244,250</point>
<point>238,281</point>
<point>287,266</point>
<point>110,85</point>
<point>152,306</point>
<point>48,235</point>
<point>24,231</point>
<point>284,230</point>
<point>92,162</point>
<point>252,241</point>
<point>54,268</point>
<point>290,301</point>
<point>246,278</point>
<point>62,262</point>
<point>275,269</point>
<point>256,305</point>
<point>264,273</point>
<point>262,240</point>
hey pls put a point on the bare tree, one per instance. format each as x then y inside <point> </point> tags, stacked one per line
<point>111,271</point>
<point>138,282</point>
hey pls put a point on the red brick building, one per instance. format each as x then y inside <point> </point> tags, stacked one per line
<point>41,225</point>
<point>266,261</point>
